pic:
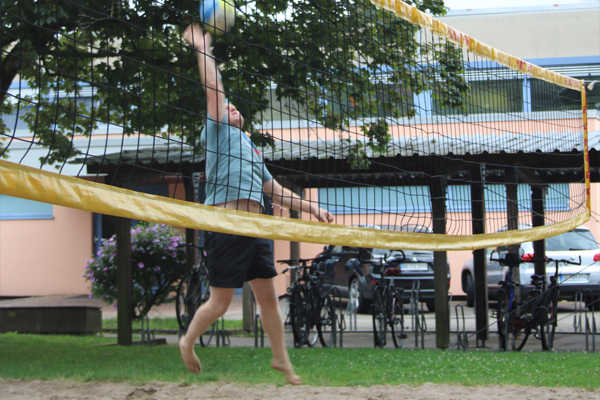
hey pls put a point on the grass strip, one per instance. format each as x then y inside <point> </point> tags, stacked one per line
<point>92,358</point>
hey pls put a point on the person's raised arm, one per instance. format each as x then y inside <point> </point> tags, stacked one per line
<point>209,71</point>
<point>288,199</point>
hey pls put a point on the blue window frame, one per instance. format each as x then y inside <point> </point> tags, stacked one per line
<point>459,198</point>
<point>13,208</point>
<point>374,200</point>
<point>416,199</point>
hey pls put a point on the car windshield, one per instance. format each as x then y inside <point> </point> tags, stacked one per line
<point>577,239</point>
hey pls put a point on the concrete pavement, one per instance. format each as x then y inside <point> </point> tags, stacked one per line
<point>570,335</point>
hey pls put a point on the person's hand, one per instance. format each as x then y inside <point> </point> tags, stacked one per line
<point>198,39</point>
<point>323,215</point>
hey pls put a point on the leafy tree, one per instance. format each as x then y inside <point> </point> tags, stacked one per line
<point>331,59</point>
<point>157,263</point>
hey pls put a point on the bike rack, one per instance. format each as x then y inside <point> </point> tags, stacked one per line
<point>462,340</point>
<point>579,310</point>
<point>148,337</point>
<point>222,334</point>
<point>340,320</point>
<point>418,317</point>
<point>590,327</point>
<point>258,329</point>
<point>258,332</point>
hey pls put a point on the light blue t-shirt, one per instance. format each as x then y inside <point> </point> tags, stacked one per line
<point>235,169</point>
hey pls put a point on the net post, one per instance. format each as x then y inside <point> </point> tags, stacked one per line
<point>479,255</point>
<point>538,195</point>
<point>438,187</point>
<point>124,282</point>
<point>512,218</point>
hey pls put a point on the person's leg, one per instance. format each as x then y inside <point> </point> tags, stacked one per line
<point>266,297</point>
<point>209,312</point>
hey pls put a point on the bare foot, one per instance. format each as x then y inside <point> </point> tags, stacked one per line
<point>190,359</point>
<point>288,371</point>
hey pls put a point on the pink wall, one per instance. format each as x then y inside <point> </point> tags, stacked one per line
<point>45,257</point>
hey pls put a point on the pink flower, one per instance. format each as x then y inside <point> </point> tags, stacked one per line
<point>141,265</point>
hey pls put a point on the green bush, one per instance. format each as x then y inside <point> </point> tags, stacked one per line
<point>157,263</point>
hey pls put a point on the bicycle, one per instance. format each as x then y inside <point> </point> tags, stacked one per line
<point>311,309</point>
<point>537,314</point>
<point>192,292</point>
<point>387,308</point>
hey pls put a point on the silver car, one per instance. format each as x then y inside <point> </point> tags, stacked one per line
<point>584,278</point>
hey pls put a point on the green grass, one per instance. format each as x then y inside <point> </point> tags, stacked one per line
<point>164,323</point>
<point>92,358</point>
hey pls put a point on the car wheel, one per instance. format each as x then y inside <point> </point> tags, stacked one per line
<point>593,304</point>
<point>356,297</point>
<point>430,305</point>
<point>470,291</point>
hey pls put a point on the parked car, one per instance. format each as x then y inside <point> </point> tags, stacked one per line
<point>354,279</point>
<point>572,278</point>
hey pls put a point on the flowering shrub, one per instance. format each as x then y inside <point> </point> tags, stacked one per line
<point>157,262</point>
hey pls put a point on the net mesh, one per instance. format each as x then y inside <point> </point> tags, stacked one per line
<point>372,110</point>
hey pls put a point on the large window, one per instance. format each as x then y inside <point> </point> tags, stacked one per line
<point>548,97</point>
<point>416,199</point>
<point>487,96</point>
<point>371,200</point>
<point>459,198</point>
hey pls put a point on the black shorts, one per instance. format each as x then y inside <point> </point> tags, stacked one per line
<point>233,260</point>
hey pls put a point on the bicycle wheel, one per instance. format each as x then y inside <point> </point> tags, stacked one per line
<point>397,320</point>
<point>301,317</point>
<point>188,300</point>
<point>379,321</point>
<point>501,318</point>
<point>519,328</point>
<point>519,338</point>
<point>548,325</point>
<point>326,324</point>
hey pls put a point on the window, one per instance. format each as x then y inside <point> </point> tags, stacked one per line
<point>369,200</point>
<point>459,198</point>
<point>549,97</point>
<point>12,208</point>
<point>416,199</point>
<point>488,96</point>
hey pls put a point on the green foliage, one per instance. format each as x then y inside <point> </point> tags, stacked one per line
<point>377,139</point>
<point>333,59</point>
<point>452,89</point>
<point>157,262</point>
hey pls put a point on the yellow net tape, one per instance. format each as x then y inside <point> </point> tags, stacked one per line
<point>48,187</point>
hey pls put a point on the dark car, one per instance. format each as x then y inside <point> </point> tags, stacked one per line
<point>355,279</point>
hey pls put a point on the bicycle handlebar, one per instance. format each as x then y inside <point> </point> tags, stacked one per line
<point>564,261</point>
<point>303,261</point>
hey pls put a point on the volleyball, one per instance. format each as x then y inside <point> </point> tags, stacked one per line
<point>217,16</point>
